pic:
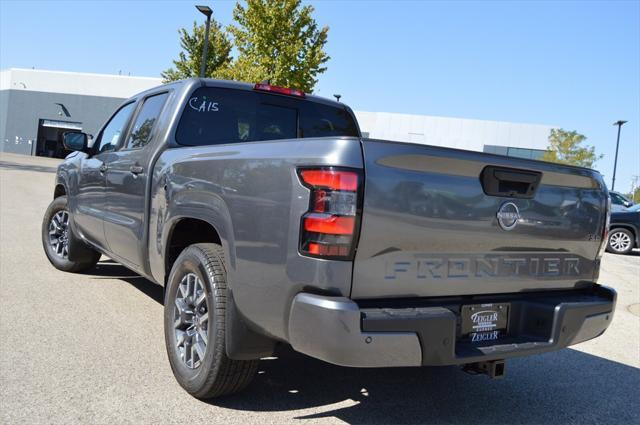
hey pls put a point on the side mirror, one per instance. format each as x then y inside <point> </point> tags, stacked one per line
<point>628,204</point>
<point>75,141</point>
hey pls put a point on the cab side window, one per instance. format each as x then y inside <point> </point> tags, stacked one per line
<point>112,133</point>
<point>141,132</point>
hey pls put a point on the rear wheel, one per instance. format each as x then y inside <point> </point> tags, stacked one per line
<point>195,324</point>
<point>57,238</point>
<point>620,241</point>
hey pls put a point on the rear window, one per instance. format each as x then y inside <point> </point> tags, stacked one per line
<point>217,116</point>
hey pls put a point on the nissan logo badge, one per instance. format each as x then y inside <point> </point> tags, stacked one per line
<point>508,216</point>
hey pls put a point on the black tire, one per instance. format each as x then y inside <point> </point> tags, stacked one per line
<point>86,257</point>
<point>215,374</point>
<point>621,241</point>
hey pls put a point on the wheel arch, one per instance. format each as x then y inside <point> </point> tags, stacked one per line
<point>185,231</point>
<point>59,190</point>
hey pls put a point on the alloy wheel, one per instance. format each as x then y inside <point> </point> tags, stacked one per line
<point>59,233</point>
<point>620,241</point>
<point>191,320</point>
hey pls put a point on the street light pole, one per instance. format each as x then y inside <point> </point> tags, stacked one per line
<point>205,10</point>
<point>615,162</point>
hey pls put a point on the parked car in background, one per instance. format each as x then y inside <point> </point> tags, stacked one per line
<point>624,230</point>
<point>619,202</point>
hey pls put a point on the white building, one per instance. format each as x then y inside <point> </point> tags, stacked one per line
<point>505,138</point>
<point>37,107</point>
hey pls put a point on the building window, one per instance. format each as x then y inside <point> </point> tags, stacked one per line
<point>514,152</point>
<point>497,150</point>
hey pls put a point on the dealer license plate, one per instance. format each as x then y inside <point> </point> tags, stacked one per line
<point>484,322</point>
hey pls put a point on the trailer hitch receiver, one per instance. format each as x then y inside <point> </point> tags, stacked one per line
<point>493,369</point>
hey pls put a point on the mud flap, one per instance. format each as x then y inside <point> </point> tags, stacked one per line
<point>241,342</point>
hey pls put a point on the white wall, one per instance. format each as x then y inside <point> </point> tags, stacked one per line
<point>452,132</point>
<point>117,86</point>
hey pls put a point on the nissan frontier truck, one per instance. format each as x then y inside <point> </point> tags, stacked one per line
<point>269,219</point>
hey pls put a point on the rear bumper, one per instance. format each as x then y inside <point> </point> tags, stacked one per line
<point>426,332</point>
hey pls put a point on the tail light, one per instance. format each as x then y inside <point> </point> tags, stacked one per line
<point>605,231</point>
<point>329,228</point>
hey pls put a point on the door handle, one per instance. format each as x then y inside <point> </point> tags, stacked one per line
<point>136,169</point>
<point>103,168</point>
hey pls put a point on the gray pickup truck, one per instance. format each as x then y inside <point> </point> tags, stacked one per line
<point>268,219</point>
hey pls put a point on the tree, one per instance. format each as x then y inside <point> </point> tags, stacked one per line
<point>636,195</point>
<point>278,40</point>
<point>635,189</point>
<point>188,63</point>
<point>565,147</point>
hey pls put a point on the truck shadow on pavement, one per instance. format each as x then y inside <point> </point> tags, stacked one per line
<point>109,269</point>
<point>567,386</point>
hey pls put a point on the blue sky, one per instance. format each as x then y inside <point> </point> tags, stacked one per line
<point>575,65</point>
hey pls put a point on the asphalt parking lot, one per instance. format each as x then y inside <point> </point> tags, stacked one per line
<point>89,348</point>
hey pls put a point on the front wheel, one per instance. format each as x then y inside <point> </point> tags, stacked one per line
<point>195,324</point>
<point>620,241</point>
<point>57,238</point>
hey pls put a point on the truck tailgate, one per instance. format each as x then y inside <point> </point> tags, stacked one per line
<point>429,228</point>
